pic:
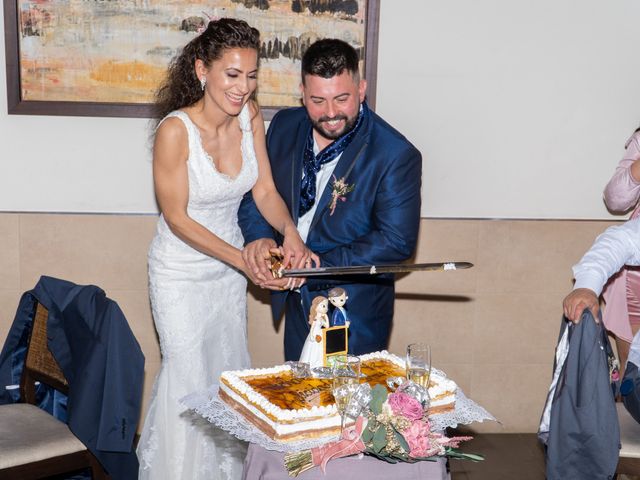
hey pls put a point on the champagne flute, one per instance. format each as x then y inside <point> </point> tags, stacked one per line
<point>346,378</point>
<point>419,364</point>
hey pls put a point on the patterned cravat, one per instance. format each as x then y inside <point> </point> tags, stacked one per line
<point>312,163</point>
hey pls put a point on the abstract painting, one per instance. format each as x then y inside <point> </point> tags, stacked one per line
<point>107,57</point>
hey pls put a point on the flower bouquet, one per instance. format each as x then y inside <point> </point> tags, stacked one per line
<point>393,427</point>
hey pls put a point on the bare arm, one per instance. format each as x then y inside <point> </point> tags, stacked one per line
<point>623,190</point>
<point>271,205</point>
<point>615,247</point>
<point>170,177</point>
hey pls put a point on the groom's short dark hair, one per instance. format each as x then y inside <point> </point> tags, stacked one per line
<point>329,57</point>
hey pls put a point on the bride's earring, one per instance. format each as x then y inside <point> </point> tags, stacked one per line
<point>203,82</point>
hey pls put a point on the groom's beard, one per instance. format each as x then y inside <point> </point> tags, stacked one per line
<point>318,125</point>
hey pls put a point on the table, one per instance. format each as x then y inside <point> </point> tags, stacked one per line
<point>263,464</point>
<point>265,458</point>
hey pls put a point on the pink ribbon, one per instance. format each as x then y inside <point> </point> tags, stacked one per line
<point>350,443</point>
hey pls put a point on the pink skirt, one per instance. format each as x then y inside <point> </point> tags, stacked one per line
<point>633,297</point>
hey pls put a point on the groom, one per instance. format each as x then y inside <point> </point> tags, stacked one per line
<point>352,184</point>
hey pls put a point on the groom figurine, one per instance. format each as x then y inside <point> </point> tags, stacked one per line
<point>338,298</point>
<point>352,184</point>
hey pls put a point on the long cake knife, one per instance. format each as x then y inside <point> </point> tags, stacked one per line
<point>373,269</point>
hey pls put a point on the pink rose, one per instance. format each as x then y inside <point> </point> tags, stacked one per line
<point>405,405</point>
<point>418,438</point>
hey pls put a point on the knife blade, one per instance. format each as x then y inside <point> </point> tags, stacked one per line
<point>374,269</point>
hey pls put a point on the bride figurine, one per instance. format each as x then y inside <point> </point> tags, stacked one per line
<point>313,350</point>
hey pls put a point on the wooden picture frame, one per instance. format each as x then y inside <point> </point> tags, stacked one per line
<point>20,103</point>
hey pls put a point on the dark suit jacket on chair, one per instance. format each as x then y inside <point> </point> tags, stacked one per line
<point>90,339</point>
<point>583,436</point>
<point>377,224</point>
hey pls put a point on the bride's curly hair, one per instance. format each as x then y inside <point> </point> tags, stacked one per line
<point>181,87</point>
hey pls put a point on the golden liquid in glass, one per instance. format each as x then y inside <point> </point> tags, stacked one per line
<point>419,376</point>
<point>343,401</point>
<point>339,381</point>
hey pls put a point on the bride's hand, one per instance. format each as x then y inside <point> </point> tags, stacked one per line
<point>256,256</point>
<point>242,262</point>
<point>251,275</point>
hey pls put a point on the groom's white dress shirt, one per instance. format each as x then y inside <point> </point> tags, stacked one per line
<point>322,178</point>
<point>615,247</point>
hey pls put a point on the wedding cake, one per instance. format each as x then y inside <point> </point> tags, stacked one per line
<point>289,408</point>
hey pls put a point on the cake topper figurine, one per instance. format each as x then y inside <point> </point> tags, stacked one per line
<point>313,349</point>
<point>338,297</point>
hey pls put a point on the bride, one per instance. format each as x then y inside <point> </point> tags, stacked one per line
<point>209,150</point>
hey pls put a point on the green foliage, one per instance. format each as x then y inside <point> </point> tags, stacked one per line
<point>455,453</point>
<point>425,459</point>
<point>378,397</point>
<point>380,439</point>
<point>403,458</point>
<point>381,457</point>
<point>367,434</point>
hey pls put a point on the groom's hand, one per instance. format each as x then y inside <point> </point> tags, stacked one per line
<point>257,256</point>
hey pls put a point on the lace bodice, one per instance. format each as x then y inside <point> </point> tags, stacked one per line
<point>214,197</point>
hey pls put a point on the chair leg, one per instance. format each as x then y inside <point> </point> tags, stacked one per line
<point>97,472</point>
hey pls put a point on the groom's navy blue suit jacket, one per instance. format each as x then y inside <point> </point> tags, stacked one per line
<point>377,224</point>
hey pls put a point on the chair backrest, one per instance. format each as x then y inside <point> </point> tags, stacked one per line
<point>39,364</point>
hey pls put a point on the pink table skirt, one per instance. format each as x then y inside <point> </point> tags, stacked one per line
<point>262,464</point>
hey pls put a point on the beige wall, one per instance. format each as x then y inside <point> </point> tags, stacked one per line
<point>495,100</point>
<point>493,328</point>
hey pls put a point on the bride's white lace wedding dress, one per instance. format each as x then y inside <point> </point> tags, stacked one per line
<point>199,310</point>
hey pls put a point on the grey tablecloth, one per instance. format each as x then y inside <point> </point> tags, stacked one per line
<point>262,464</point>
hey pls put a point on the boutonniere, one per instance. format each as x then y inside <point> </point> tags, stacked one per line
<point>338,191</point>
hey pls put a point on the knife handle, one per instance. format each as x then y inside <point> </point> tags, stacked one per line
<point>277,265</point>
